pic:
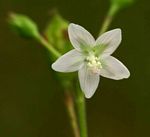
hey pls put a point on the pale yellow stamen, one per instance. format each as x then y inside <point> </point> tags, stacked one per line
<point>94,63</point>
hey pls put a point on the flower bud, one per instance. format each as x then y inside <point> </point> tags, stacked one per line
<point>23,25</point>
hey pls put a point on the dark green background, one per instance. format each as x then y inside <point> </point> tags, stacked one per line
<point>31,104</point>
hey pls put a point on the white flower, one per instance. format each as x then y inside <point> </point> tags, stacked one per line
<point>92,58</point>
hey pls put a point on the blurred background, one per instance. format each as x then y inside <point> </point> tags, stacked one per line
<point>31,103</point>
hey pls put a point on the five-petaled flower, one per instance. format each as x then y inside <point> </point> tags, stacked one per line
<point>91,58</point>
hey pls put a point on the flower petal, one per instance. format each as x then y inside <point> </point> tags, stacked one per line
<point>69,62</point>
<point>88,81</point>
<point>79,37</point>
<point>113,69</point>
<point>111,40</point>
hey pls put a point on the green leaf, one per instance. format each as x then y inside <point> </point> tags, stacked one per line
<point>23,25</point>
<point>56,33</point>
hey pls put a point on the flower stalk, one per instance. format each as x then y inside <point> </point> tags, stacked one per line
<point>81,113</point>
<point>49,47</point>
<point>109,17</point>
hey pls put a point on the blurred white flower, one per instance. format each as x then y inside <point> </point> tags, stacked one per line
<point>92,58</point>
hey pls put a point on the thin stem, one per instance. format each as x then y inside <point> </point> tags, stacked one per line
<point>110,15</point>
<point>80,100</point>
<point>81,111</point>
<point>71,111</point>
<point>48,46</point>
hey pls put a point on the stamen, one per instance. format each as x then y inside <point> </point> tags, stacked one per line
<point>94,63</point>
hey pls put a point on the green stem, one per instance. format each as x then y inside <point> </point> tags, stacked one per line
<point>110,15</point>
<point>80,100</point>
<point>81,111</point>
<point>49,47</point>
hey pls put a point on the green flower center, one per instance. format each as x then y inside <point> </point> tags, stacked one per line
<point>94,63</point>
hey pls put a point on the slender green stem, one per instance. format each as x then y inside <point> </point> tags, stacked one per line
<point>81,111</point>
<point>80,100</point>
<point>110,15</point>
<point>72,114</point>
<point>49,47</point>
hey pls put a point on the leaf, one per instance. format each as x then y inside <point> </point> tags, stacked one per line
<point>56,33</point>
